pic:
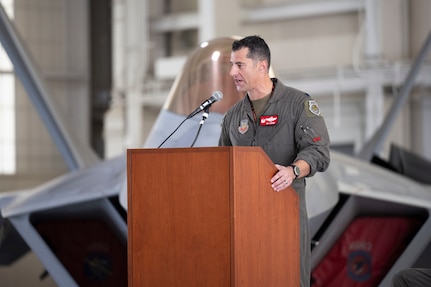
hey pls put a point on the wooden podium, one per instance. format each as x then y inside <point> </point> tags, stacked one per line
<point>209,217</point>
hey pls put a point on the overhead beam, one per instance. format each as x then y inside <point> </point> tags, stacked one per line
<point>262,13</point>
<point>279,12</point>
<point>75,154</point>
<point>375,145</point>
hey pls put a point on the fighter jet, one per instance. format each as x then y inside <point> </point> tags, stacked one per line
<point>76,224</point>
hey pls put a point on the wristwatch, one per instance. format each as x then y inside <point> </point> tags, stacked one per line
<point>296,170</point>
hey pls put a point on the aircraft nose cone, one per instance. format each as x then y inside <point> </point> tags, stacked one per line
<point>205,71</point>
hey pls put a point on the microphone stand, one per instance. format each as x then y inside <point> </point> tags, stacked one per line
<point>201,123</point>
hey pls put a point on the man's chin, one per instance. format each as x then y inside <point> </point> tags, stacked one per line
<point>240,88</point>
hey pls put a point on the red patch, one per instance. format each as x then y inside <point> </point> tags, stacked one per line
<point>268,120</point>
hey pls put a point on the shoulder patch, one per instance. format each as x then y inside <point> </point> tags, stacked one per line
<point>312,108</point>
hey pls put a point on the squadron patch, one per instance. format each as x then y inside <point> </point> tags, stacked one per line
<point>243,126</point>
<point>312,108</point>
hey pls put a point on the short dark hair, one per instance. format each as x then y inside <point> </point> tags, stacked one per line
<point>257,48</point>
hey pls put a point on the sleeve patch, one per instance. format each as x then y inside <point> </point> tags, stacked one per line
<point>312,108</point>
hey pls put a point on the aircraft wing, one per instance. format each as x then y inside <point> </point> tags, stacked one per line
<point>103,179</point>
<point>357,177</point>
<point>78,188</point>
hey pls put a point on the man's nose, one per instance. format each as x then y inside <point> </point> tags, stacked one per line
<point>232,71</point>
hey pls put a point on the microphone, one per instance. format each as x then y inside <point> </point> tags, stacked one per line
<point>216,96</point>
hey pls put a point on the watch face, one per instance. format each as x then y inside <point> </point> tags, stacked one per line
<point>296,170</point>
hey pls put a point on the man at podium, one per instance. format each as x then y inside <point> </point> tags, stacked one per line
<point>285,122</point>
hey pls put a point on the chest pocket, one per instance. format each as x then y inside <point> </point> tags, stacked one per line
<point>278,141</point>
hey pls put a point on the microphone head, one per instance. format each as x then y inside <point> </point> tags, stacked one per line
<point>217,96</point>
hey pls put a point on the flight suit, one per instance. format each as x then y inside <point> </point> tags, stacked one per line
<point>291,128</point>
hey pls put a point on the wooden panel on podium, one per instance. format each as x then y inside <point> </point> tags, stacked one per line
<point>209,217</point>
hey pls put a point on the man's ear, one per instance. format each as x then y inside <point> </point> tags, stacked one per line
<point>263,66</point>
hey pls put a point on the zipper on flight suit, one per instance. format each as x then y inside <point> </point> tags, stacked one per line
<point>255,119</point>
<point>255,122</point>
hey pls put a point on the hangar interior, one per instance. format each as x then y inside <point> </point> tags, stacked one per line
<point>106,68</point>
